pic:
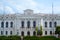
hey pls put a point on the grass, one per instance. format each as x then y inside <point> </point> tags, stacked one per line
<point>29,38</point>
<point>41,38</point>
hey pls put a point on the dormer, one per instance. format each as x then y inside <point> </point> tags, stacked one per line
<point>28,11</point>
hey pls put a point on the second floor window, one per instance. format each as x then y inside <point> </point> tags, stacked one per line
<point>50,24</point>
<point>28,24</point>
<point>2,24</point>
<point>34,24</point>
<point>22,24</point>
<point>45,24</point>
<point>6,24</point>
<point>55,24</point>
<point>11,24</point>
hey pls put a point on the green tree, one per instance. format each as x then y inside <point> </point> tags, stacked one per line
<point>57,30</point>
<point>36,30</point>
<point>39,32</point>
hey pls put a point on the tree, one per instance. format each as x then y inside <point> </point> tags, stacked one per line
<point>57,30</point>
<point>39,32</point>
<point>36,30</point>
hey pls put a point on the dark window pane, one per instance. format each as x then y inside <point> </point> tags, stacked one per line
<point>22,33</point>
<point>34,33</point>
<point>1,32</point>
<point>2,24</point>
<point>45,24</point>
<point>6,32</point>
<point>28,33</point>
<point>6,24</point>
<point>34,24</point>
<point>11,24</point>
<point>50,32</point>
<point>28,24</point>
<point>10,32</point>
<point>45,32</point>
<point>22,24</point>
<point>55,24</point>
<point>50,24</point>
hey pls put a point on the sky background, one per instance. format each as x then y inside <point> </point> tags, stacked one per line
<point>39,6</point>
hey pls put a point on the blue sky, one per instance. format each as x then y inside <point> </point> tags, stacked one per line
<point>39,6</point>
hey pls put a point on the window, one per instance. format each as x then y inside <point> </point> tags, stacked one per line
<point>10,32</point>
<point>11,24</point>
<point>2,24</point>
<point>6,32</point>
<point>34,24</point>
<point>28,24</point>
<point>45,32</point>
<point>6,24</point>
<point>22,33</point>
<point>55,24</point>
<point>28,33</point>
<point>45,24</point>
<point>34,33</point>
<point>22,24</point>
<point>50,24</point>
<point>50,32</point>
<point>1,32</point>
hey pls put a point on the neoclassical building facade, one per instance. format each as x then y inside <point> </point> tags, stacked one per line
<point>26,23</point>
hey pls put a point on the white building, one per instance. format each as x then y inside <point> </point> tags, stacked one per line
<point>25,24</point>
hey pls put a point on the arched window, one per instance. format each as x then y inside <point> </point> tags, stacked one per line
<point>22,33</point>
<point>55,24</point>
<point>6,24</point>
<point>11,24</point>
<point>22,24</point>
<point>45,24</point>
<point>34,33</point>
<point>28,33</point>
<point>28,24</point>
<point>50,24</point>
<point>2,24</point>
<point>34,24</point>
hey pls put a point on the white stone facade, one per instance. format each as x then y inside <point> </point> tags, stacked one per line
<point>30,16</point>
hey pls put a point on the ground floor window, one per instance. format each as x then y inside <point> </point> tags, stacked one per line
<point>50,32</point>
<point>28,33</point>
<point>22,33</point>
<point>6,32</point>
<point>1,32</point>
<point>34,33</point>
<point>45,32</point>
<point>10,32</point>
